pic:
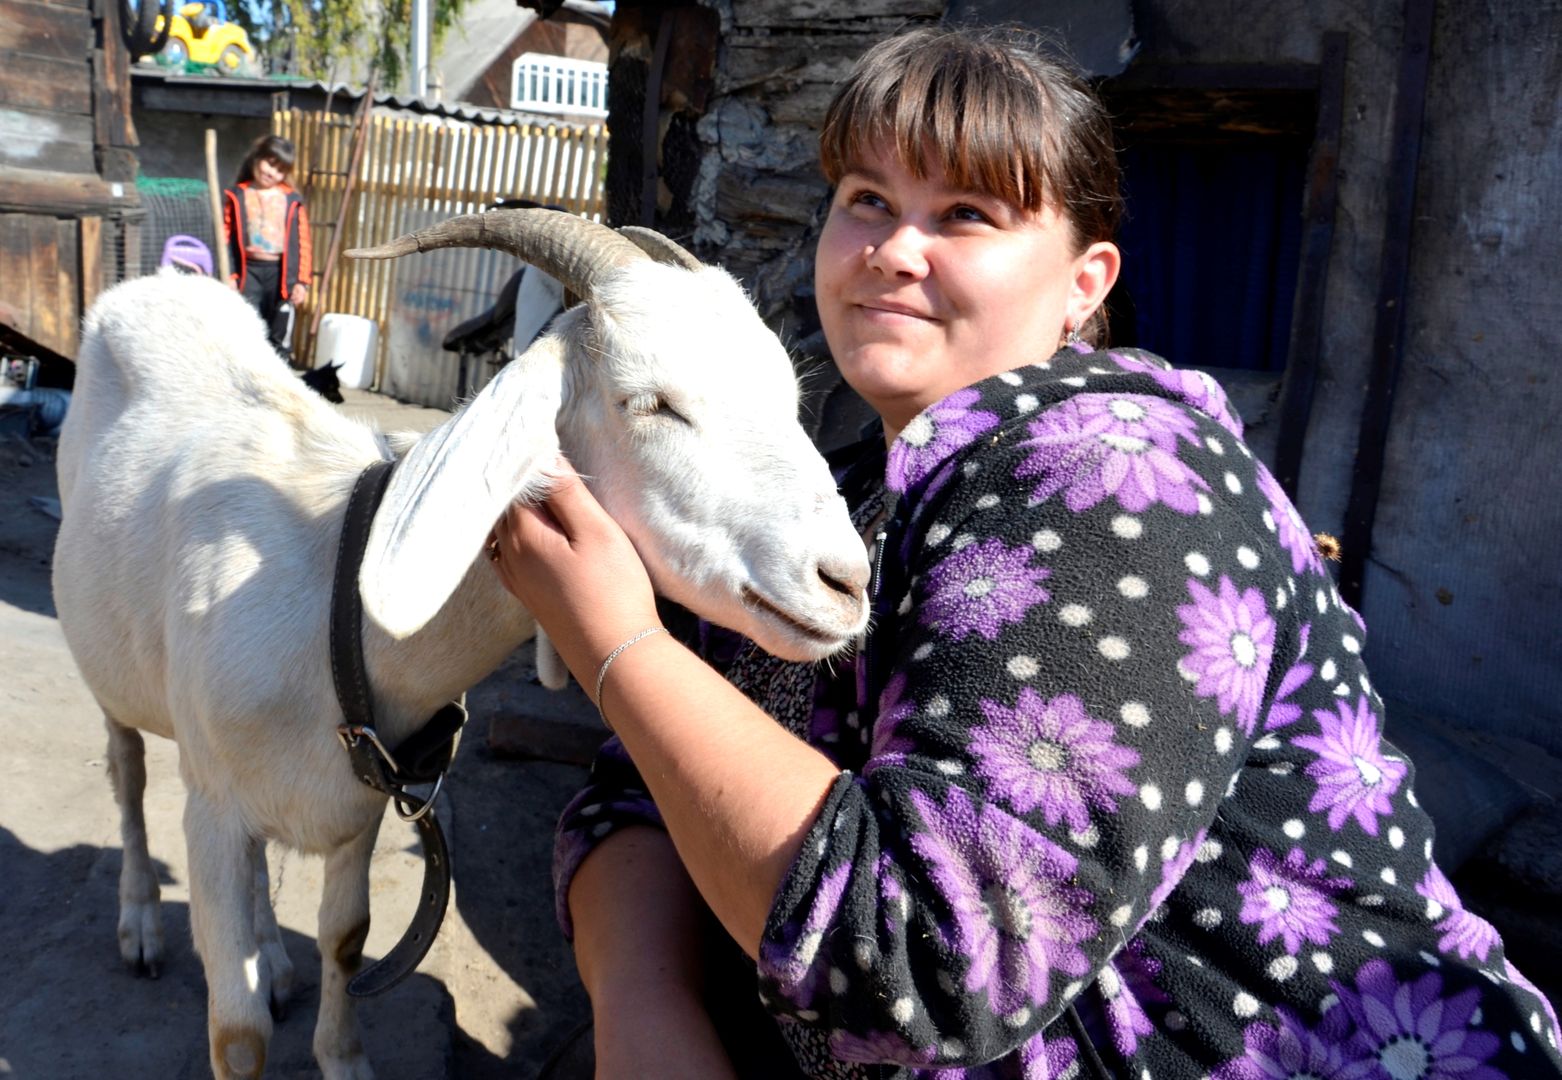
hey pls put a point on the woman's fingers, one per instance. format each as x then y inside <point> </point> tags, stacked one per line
<point>571,505</point>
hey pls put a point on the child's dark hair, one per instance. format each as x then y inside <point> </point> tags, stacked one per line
<point>275,147</point>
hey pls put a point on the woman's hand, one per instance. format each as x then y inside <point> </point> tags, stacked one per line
<point>296,296</point>
<point>576,571</point>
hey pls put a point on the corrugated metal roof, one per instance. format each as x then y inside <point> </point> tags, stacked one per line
<point>313,92</point>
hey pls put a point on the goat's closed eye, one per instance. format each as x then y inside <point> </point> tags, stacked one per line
<point>648,405</point>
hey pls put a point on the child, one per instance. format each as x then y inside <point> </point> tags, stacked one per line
<point>267,233</point>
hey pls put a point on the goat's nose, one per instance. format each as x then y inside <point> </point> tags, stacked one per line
<point>846,576</point>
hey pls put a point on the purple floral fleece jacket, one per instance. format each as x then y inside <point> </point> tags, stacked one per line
<point>1114,797</point>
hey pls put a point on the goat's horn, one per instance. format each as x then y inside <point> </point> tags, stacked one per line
<point>661,248</point>
<point>572,249</point>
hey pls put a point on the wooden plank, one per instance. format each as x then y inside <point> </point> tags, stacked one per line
<point>1394,281</point>
<point>40,31</point>
<point>39,191</point>
<point>1319,199</point>
<point>122,130</point>
<point>49,85</point>
<point>57,142</point>
<point>44,259</point>
<point>16,275</point>
<point>67,285</point>
<point>90,235</point>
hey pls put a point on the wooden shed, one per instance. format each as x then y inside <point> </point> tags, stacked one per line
<point>69,214</point>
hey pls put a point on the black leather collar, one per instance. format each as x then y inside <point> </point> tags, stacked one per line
<point>422,758</point>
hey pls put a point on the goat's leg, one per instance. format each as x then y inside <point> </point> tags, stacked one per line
<point>272,951</point>
<point>344,926</point>
<point>222,917</point>
<point>140,914</point>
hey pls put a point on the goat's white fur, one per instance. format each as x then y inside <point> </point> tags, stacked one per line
<point>203,491</point>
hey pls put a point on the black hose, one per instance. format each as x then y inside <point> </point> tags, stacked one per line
<point>1089,1056</point>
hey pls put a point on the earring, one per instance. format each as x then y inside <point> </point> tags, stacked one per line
<point>1072,337</point>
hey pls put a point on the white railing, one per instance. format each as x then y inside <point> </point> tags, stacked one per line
<point>559,84</point>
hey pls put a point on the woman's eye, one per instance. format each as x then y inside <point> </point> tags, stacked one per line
<point>868,200</point>
<point>969,213</point>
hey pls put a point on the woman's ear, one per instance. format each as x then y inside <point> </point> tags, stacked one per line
<point>1095,272</point>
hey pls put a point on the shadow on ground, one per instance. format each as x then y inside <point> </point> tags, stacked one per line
<point>57,932</point>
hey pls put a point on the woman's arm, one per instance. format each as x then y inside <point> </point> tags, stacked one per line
<point>637,946</point>
<point>738,793</point>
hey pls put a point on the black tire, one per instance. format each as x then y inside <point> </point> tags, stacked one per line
<point>138,26</point>
<point>174,53</point>
<point>231,60</point>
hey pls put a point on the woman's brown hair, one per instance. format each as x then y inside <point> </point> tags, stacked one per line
<point>996,112</point>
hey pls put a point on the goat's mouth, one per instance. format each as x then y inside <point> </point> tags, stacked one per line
<point>753,599</point>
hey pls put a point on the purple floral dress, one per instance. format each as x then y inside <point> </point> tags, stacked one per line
<point>1114,797</point>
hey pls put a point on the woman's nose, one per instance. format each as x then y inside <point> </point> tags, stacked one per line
<point>901,253</point>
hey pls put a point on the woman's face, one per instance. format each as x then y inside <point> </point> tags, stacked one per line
<point>924,288</point>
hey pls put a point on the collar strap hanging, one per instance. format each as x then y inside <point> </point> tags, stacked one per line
<point>422,758</point>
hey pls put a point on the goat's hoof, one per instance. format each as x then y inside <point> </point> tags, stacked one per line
<point>141,937</point>
<point>355,1067</point>
<point>152,968</point>
<point>280,969</point>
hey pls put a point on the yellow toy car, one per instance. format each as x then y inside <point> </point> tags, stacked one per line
<point>199,34</point>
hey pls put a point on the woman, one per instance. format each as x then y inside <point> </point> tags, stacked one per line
<point>1104,789</point>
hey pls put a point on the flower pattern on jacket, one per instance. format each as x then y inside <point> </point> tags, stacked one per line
<point>1355,778</point>
<point>1052,755</point>
<point>1110,743</point>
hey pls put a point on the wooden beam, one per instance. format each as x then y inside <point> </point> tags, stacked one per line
<point>58,142</point>
<point>90,277</point>
<point>49,85</point>
<point>217,100</point>
<point>38,30</point>
<point>1415,60</point>
<point>1318,204</point>
<point>44,257</point>
<point>45,192</point>
<point>67,283</point>
<point>16,274</point>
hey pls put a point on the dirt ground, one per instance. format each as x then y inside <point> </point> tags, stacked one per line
<point>494,996</point>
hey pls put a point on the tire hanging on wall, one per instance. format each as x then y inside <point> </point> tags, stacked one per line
<point>138,24</point>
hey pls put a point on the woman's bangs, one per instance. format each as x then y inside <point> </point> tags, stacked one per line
<point>970,119</point>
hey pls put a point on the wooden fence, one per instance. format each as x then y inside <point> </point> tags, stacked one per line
<point>415,172</point>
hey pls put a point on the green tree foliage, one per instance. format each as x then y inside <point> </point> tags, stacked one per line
<point>340,39</point>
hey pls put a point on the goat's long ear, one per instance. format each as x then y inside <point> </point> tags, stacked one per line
<point>450,488</point>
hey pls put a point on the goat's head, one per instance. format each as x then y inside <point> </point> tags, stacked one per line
<point>669,394</point>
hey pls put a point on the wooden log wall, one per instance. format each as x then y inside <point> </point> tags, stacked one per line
<point>50,269</point>
<point>736,129</point>
<point>67,162</point>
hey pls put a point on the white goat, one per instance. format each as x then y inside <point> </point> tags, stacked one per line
<point>204,489</point>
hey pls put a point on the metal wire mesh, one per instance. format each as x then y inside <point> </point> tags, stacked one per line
<point>174,206</point>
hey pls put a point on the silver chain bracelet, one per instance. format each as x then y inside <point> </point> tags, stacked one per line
<point>607,663</point>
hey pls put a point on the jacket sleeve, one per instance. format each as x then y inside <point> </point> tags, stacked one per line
<point>614,798</point>
<point>230,230</point>
<point>1077,671</point>
<point>306,249</point>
